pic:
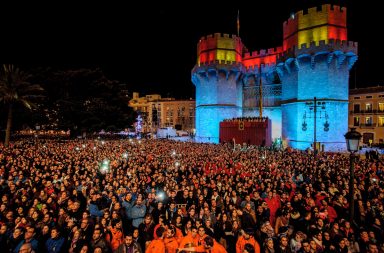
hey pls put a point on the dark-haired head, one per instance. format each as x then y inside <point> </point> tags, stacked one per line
<point>248,248</point>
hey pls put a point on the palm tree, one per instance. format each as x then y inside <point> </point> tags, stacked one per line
<point>15,88</point>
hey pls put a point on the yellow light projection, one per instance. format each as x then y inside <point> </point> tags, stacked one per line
<point>225,55</point>
<point>312,26</point>
<point>222,53</point>
<point>314,34</point>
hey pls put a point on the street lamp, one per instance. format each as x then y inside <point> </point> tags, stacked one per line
<point>352,138</point>
<point>316,106</point>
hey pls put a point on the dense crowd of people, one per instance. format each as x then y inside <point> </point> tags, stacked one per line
<point>130,196</point>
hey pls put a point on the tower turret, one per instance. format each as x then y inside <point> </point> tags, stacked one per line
<point>315,24</point>
<point>216,77</point>
<point>319,68</point>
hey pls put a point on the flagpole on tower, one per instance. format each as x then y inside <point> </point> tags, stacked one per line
<point>238,23</point>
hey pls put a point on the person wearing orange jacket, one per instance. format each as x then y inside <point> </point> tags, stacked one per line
<point>157,245</point>
<point>170,241</point>
<point>247,237</point>
<point>202,235</point>
<point>209,246</point>
<point>178,234</point>
<point>162,223</point>
<point>116,236</point>
<point>191,239</point>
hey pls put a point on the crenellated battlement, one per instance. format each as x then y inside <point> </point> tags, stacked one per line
<point>325,9</point>
<point>263,52</point>
<point>314,12</point>
<point>218,62</point>
<point>290,26</point>
<point>265,68</point>
<point>218,40</point>
<point>218,36</point>
<point>337,44</point>
<point>321,46</point>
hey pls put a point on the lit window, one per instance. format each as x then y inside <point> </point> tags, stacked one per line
<point>381,107</point>
<point>356,121</point>
<point>368,120</point>
<point>381,121</point>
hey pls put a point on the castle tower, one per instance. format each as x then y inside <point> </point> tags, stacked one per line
<point>316,63</point>
<point>216,77</point>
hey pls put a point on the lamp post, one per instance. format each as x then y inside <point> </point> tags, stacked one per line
<point>352,138</point>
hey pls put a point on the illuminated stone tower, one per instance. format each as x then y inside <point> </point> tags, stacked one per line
<point>316,63</point>
<point>218,90</point>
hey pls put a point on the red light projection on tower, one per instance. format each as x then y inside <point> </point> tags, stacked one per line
<point>219,47</point>
<point>261,57</point>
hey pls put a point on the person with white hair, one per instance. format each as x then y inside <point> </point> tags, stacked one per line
<point>26,248</point>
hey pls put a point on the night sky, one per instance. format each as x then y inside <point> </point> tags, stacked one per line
<point>153,48</point>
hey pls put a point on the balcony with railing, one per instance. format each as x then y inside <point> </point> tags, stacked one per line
<point>366,112</point>
<point>368,125</point>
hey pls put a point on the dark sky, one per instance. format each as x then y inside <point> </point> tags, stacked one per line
<point>153,48</point>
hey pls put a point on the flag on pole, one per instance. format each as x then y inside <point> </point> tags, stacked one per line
<point>238,23</point>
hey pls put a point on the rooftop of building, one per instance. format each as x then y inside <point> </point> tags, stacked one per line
<point>155,98</point>
<point>366,90</point>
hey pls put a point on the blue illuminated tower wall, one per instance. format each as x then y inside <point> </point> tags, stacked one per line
<point>320,71</point>
<point>218,90</point>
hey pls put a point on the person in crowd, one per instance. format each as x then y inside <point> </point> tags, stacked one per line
<point>157,245</point>
<point>116,235</point>
<point>170,240</point>
<point>191,239</point>
<point>129,245</point>
<point>55,244</point>
<point>247,238</point>
<point>248,248</point>
<point>98,241</point>
<point>306,247</point>
<point>283,245</point>
<point>268,246</point>
<point>26,248</point>
<point>29,237</point>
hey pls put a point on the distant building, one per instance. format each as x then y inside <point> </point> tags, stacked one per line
<point>366,113</point>
<point>158,112</point>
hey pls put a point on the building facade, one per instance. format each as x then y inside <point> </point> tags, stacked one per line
<point>312,64</point>
<point>366,113</point>
<point>158,112</point>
